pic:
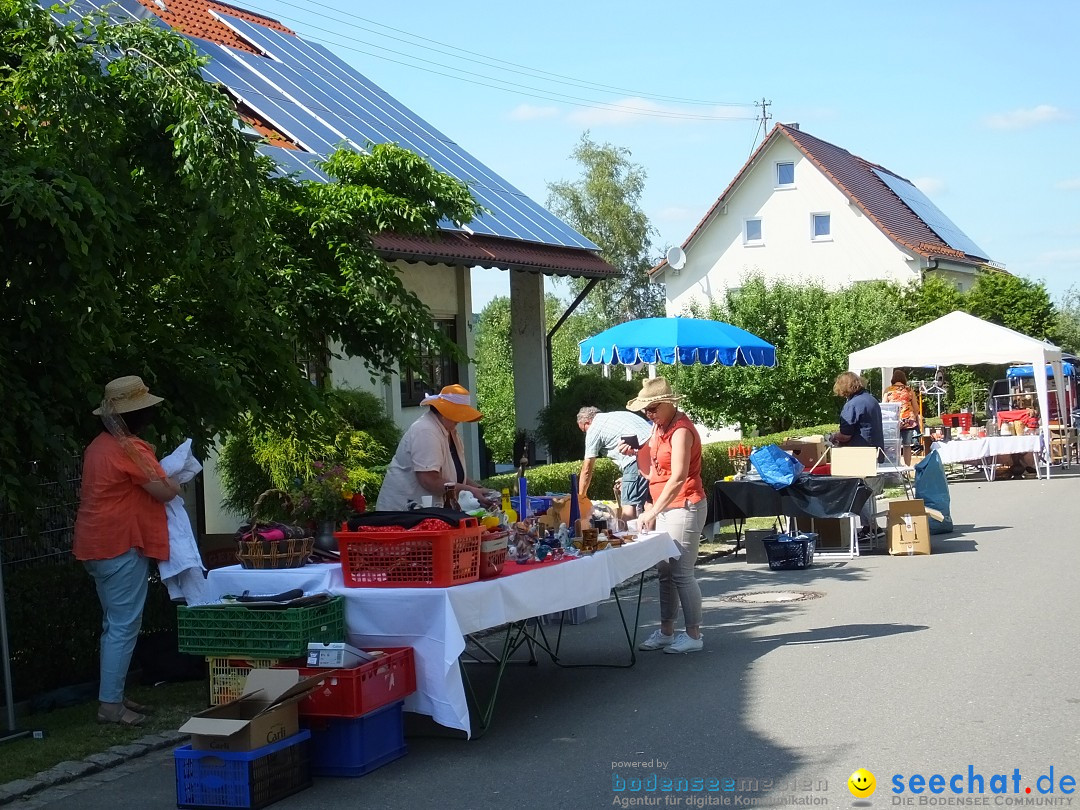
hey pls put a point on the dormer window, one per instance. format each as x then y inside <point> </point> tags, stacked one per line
<point>785,175</point>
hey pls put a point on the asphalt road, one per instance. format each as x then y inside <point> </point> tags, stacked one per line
<point>922,665</point>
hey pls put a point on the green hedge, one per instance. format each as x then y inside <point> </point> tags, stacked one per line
<point>715,465</point>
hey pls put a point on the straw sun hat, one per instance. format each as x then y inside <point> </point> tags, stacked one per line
<point>125,394</point>
<point>453,402</point>
<point>654,390</point>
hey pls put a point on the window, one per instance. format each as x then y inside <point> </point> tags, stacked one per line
<point>752,232</point>
<point>820,227</point>
<point>436,370</point>
<point>785,175</point>
<point>313,359</point>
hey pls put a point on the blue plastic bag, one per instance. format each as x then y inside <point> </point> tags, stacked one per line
<point>776,468</point>
<point>933,488</point>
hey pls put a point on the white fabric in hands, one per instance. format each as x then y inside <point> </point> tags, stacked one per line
<point>183,572</point>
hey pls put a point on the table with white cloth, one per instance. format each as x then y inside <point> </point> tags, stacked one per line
<point>983,451</point>
<point>436,621</point>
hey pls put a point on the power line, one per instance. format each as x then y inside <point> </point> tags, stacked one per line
<point>495,62</point>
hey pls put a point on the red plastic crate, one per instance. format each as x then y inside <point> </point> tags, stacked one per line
<point>961,420</point>
<point>411,559</point>
<point>362,689</point>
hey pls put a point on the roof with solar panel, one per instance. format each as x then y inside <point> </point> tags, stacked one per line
<point>303,102</point>
<point>894,204</point>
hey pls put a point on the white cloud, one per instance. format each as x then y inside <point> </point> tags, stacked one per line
<point>1025,118</point>
<point>530,112</point>
<point>634,110</point>
<point>930,185</point>
<point>1069,185</point>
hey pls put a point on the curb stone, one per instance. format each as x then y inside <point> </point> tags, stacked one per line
<point>70,771</point>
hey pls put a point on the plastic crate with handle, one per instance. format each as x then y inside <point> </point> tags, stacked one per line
<point>411,558</point>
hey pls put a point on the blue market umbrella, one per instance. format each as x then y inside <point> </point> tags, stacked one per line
<point>677,340</point>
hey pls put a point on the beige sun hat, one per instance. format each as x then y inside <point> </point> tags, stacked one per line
<point>125,394</point>
<point>655,390</point>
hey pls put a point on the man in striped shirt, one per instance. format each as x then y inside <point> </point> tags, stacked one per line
<point>604,432</point>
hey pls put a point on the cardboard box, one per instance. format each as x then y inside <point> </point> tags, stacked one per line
<point>265,713</point>
<point>335,655</point>
<point>909,530</point>
<point>808,450</point>
<point>833,532</point>
<point>858,462</point>
<point>755,547</point>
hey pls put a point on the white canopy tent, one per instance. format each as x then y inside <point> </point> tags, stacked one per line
<point>962,339</point>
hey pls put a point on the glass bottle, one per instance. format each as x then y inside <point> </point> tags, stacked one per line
<point>450,500</point>
<point>508,510</point>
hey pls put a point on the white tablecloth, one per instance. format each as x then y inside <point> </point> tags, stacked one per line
<point>960,450</point>
<point>434,621</point>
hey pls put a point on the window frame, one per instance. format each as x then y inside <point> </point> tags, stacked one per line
<point>814,236</point>
<point>747,241</point>
<point>414,386</point>
<point>776,176</point>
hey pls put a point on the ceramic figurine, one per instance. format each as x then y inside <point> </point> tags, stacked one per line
<point>542,552</point>
<point>563,536</point>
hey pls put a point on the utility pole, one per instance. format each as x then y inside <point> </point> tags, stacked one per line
<point>763,120</point>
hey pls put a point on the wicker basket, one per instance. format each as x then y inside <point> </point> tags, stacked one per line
<point>256,552</point>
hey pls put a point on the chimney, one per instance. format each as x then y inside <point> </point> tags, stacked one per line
<point>795,125</point>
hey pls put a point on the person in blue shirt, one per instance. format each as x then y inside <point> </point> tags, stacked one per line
<point>860,418</point>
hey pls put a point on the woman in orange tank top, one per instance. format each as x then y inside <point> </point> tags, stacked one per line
<point>672,463</point>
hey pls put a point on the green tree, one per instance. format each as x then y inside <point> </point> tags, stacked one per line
<point>605,206</point>
<point>813,329</point>
<point>929,299</point>
<point>495,378</point>
<point>136,237</point>
<point>1067,323</point>
<point>558,421</point>
<point>1011,301</point>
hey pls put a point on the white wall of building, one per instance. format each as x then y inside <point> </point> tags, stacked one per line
<point>719,258</point>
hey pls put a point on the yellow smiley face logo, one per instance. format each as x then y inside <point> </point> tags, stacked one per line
<point>861,784</point>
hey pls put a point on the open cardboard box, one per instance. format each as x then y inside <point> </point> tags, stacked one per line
<point>265,713</point>
<point>807,449</point>
<point>909,529</point>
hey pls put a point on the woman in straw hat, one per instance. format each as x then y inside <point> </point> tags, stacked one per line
<point>431,455</point>
<point>672,463</point>
<point>120,526</point>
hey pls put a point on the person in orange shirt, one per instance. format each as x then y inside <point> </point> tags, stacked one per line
<point>119,528</point>
<point>672,463</point>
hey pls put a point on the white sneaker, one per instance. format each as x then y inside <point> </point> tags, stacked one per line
<point>684,644</point>
<point>657,641</point>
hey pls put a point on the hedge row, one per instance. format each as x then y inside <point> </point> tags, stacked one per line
<point>715,465</point>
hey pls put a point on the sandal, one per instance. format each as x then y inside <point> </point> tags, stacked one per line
<point>120,714</point>
<point>137,707</point>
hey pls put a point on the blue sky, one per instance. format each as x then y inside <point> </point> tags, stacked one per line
<point>977,103</point>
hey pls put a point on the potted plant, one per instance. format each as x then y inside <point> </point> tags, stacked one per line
<point>324,500</point>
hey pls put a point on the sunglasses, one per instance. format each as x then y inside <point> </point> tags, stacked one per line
<point>653,408</point>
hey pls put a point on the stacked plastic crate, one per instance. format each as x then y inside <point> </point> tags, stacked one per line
<point>236,639</point>
<point>355,714</point>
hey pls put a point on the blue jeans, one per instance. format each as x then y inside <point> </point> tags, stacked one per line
<point>121,588</point>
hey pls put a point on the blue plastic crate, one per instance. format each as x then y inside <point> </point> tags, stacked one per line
<point>246,779</point>
<point>354,746</point>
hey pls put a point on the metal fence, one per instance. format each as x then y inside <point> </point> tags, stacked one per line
<point>44,536</point>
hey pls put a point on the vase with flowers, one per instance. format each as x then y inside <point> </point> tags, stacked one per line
<point>324,500</point>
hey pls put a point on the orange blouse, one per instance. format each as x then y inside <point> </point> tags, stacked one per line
<point>660,472</point>
<point>115,512</point>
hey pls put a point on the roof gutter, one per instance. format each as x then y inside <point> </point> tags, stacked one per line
<point>558,325</point>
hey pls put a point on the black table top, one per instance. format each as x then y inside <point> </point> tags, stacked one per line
<point>820,496</point>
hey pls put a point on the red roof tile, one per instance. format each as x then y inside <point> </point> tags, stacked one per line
<point>855,177</point>
<point>192,17</point>
<point>493,252</point>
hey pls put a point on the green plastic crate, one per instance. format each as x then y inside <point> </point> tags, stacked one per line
<point>235,630</point>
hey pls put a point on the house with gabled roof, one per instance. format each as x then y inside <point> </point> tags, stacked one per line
<point>300,102</point>
<point>805,209</point>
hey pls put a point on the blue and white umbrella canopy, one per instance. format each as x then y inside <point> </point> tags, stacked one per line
<point>677,340</point>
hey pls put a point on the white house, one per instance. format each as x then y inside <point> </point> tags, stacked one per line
<point>802,208</point>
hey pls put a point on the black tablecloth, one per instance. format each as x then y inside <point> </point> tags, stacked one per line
<point>820,496</point>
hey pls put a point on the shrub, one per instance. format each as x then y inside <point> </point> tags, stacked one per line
<point>351,429</point>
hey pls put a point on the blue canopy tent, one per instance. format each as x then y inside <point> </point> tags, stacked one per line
<point>676,340</point>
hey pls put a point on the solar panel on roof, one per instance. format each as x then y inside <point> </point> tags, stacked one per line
<point>327,88</point>
<point>931,215</point>
<point>292,161</point>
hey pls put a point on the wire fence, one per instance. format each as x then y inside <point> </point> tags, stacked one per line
<point>44,536</point>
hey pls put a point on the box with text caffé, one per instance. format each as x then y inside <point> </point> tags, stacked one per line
<point>908,528</point>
